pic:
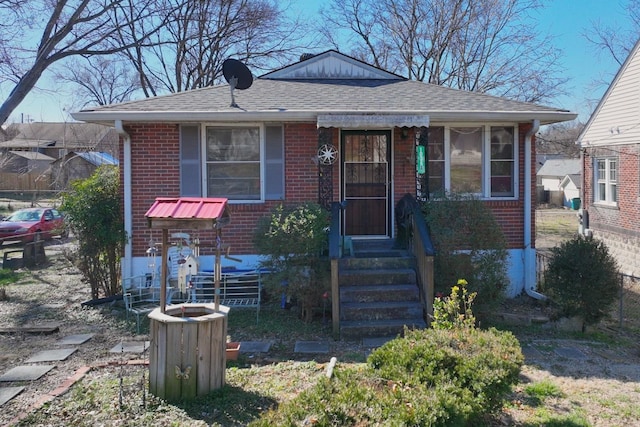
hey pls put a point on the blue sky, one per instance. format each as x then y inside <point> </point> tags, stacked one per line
<point>566,20</point>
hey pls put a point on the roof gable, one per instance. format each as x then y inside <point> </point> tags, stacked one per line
<point>615,119</point>
<point>330,65</point>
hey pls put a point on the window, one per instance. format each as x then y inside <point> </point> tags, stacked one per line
<point>502,161</point>
<point>465,152</point>
<point>476,159</point>
<point>606,189</point>
<point>233,163</point>
<point>241,163</point>
<point>436,160</point>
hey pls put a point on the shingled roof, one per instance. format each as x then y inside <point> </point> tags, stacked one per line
<point>319,88</point>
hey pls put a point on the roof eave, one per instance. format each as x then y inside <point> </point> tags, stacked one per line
<point>109,117</point>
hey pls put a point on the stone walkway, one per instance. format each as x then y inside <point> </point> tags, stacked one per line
<point>14,381</point>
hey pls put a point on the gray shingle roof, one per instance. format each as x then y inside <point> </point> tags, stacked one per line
<point>561,167</point>
<point>328,83</point>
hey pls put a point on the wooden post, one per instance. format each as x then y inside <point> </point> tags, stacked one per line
<point>217,273</point>
<point>163,274</point>
<point>335,298</point>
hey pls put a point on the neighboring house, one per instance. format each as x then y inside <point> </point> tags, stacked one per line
<point>24,170</point>
<point>610,145</point>
<point>570,187</point>
<point>277,141</point>
<point>550,177</point>
<point>57,139</point>
<point>49,142</point>
<point>74,166</point>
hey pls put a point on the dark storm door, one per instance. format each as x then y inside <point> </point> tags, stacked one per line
<point>366,182</point>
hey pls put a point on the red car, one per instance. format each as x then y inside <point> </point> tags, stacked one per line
<point>28,225</point>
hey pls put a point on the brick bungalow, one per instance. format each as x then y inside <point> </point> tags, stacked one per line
<point>277,140</point>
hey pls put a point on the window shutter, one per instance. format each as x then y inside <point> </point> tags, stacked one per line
<point>274,165</point>
<point>190,165</point>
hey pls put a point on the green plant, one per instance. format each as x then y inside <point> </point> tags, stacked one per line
<point>582,278</point>
<point>454,311</point>
<point>541,390</point>
<point>293,240</point>
<point>95,217</point>
<point>469,243</point>
<point>429,378</point>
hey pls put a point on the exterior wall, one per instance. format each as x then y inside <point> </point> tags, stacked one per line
<point>155,173</point>
<point>550,183</point>
<point>155,167</point>
<point>570,192</point>
<point>618,227</point>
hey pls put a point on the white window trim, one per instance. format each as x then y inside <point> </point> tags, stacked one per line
<point>205,187</point>
<point>607,181</point>
<point>486,158</point>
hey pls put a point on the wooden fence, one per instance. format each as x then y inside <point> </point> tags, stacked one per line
<point>24,182</point>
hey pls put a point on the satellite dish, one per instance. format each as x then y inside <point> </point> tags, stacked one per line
<point>237,75</point>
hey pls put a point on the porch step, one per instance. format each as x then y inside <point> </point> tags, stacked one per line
<point>382,310</point>
<point>377,276</point>
<point>358,329</point>
<point>381,262</point>
<point>377,293</point>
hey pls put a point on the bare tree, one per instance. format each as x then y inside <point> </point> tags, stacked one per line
<point>100,80</point>
<point>488,46</point>
<point>611,40</point>
<point>71,28</point>
<point>560,138</point>
<point>199,35</point>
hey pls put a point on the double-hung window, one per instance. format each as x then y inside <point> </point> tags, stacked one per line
<point>233,162</point>
<point>478,159</point>
<point>243,163</point>
<point>606,188</point>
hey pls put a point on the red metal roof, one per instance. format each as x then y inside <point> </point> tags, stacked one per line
<point>187,208</point>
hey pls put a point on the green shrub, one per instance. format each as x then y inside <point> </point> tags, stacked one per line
<point>429,378</point>
<point>482,364</point>
<point>582,278</point>
<point>94,215</point>
<point>469,243</point>
<point>293,241</point>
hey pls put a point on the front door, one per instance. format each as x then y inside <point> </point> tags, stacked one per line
<point>366,182</point>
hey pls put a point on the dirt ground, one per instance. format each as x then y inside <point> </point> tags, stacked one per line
<point>599,378</point>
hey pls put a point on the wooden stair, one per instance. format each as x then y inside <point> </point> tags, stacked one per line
<point>379,293</point>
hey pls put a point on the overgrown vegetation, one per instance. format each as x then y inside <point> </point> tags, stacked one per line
<point>92,207</point>
<point>449,376</point>
<point>294,240</point>
<point>469,243</point>
<point>582,279</point>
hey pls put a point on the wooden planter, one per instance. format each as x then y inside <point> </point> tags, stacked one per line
<point>187,357</point>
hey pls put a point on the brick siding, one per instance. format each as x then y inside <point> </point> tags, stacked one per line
<point>155,173</point>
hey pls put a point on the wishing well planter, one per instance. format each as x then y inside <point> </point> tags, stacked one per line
<point>187,356</point>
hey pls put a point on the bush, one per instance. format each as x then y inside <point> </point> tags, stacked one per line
<point>469,243</point>
<point>428,378</point>
<point>93,212</point>
<point>582,278</point>
<point>294,240</point>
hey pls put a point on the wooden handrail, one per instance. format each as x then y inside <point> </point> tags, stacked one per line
<point>421,246</point>
<point>334,256</point>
